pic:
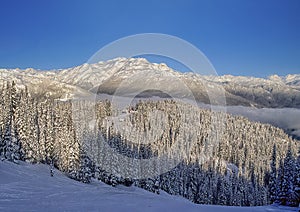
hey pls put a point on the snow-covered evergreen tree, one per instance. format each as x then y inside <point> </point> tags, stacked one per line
<point>12,145</point>
<point>297,181</point>
<point>2,144</point>
<point>84,172</point>
<point>273,177</point>
<point>288,178</point>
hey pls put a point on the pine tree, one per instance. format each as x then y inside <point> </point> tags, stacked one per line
<point>222,197</point>
<point>84,173</point>
<point>21,122</point>
<point>2,144</point>
<point>280,176</point>
<point>12,145</point>
<point>74,157</point>
<point>236,195</point>
<point>288,176</point>
<point>13,152</point>
<point>273,177</point>
<point>50,132</point>
<point>297,181</point>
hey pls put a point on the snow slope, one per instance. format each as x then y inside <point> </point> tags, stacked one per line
<point>27,187</point>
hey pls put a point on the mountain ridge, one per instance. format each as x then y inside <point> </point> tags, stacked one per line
<point>109,76</point>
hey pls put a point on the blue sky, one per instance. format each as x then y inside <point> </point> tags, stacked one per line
<point>253,37</point>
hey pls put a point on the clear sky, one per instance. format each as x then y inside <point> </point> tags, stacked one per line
<point>240,37</point>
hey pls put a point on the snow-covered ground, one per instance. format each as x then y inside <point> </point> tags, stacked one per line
<point>27,187</point>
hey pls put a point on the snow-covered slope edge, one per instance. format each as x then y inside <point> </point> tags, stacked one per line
<point>27,187</point>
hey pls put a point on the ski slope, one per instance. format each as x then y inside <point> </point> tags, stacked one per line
<point>27,187</point>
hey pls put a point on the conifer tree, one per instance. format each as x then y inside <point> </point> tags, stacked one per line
<point>288,177</point>
<point>297,181</point>
<point>2,144</point>
<point>273,177</point>
<point>84,173</point>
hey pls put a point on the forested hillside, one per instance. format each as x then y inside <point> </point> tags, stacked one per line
<point>207,157</point>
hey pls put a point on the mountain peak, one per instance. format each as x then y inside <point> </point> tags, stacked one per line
<point>276,91</point>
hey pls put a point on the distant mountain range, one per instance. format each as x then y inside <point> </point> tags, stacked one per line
<point>122,76</point>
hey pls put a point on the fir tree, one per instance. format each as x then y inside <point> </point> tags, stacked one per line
<point>2,144</point>
<point>84,173</point>
<point>273,177</point>
<point>297,181</point>
<point>288,177</point>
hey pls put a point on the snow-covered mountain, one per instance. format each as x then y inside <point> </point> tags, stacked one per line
<point>125,76</point>
<point>41,83</point>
